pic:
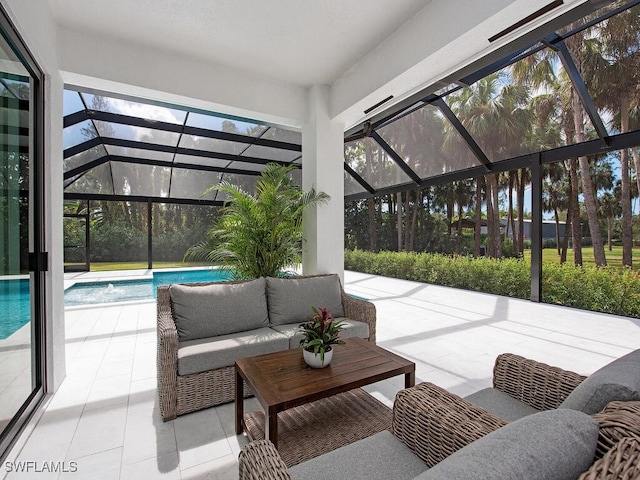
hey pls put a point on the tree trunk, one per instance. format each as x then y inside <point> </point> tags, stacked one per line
<point>399,219</point>
<point>574,208</point>
<point>511,221</point>
<point>588,195</point>
<point>567,231</point>
<point>373,231</point>
<point>417,207</point>
<point>478,228</point>
<point>627,237</point>
<point>494,221</point>
<point>556,217</point>
<point>636,162</point>
<point>520,200</point>
<point>407,225</point>
<point>368,162</point>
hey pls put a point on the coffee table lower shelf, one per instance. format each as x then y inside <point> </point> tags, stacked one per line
<point>315,428</point>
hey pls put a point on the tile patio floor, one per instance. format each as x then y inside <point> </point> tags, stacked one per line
<point>105,415</point>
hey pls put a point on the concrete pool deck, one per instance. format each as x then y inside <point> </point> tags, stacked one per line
<point>105,415</point>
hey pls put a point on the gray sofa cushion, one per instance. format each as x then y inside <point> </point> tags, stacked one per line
<point>618,380</point>
<point>219,309</point>
<point>352,328</point>
<point>204,354</point>
<point>290,299</point>
<point>554,444</point>
<point>500,404</point>
<point>379,457</point>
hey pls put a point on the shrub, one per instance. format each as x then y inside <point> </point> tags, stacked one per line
<point>601,289</point>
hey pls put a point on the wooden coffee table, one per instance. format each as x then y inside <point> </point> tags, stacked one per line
<point>282,380</point>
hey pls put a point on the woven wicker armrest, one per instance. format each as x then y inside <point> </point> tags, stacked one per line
<point>617,420</point>
<point>622,462</point>
<point>537,384</point>
<point>167,356</point>
<point>360,310</point>
<point>434,423</point>
<point>260,460</point>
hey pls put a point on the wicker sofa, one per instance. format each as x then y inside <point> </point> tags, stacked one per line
<point>202,328</point>
<point>436,434</point>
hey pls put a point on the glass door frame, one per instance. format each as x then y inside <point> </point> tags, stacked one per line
<point>38,257</point>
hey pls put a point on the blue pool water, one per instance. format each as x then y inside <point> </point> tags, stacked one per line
<point>131,290</point>
<point>15,307</point>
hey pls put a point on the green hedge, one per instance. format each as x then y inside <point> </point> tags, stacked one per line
<point>604,289</point>
<point>609,290</point>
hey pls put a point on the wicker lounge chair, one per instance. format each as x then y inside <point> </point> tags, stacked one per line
<point>434,423</point>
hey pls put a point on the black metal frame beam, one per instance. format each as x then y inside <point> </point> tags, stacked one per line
<point>396,158</point>
<point>119,142</point>
<point>95,115</point>
<point>591,147</point>
<point>356,176</point>
<point>156,163</point>
<point>140,198</point>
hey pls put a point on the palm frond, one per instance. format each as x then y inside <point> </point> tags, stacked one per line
<point>261,234</point>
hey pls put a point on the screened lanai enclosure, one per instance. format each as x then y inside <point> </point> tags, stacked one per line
<point>533,148</point>
<point>136,175</point>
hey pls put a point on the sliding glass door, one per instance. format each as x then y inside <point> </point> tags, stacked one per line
<point>21,259</point>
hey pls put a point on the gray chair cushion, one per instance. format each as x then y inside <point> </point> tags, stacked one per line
<point>500,404</point>
<point>618,380</point>
<point>219,309</point>
<point>290,299</point>
<point>379,457</point>
<point>554,444</point>
<point>205,354</point>
<point>352,328</point>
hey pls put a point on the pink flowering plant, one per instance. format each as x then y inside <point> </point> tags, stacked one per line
<point>321,332</point>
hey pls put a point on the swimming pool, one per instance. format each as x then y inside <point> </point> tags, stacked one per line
<point>15,306</point>
<point>89,293</point>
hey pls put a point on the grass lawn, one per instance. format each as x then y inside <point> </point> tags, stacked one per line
<point>614,257</point>
<point>105,266</point>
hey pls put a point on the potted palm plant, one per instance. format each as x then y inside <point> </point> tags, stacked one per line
<point>320,334</point>
<point>258,235</point>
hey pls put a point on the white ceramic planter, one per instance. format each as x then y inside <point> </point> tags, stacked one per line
<point>313,359</point>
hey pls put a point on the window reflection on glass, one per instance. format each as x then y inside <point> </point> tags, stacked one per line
<point>17,370</point>
<point>130,108</point>
<point>224,124</point>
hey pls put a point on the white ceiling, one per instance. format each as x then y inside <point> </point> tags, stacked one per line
<point>298,42</point>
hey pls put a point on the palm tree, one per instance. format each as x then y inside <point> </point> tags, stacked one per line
<point>495,113</point>
<point>612,62</point>
<point>539,71</point>
<point>258,235</point>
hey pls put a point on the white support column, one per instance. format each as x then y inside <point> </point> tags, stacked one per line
<point>322,169</point>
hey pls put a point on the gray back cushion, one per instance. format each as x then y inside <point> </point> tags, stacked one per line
<point>618,380</point>
<point>290,299</point>
<point>554,444</point>
<point>218,309</point>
